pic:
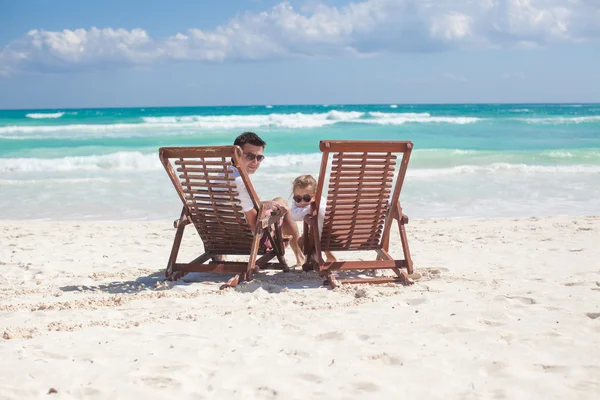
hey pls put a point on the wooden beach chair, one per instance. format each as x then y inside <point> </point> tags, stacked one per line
<point>363,200</point>
<point>205,184</point>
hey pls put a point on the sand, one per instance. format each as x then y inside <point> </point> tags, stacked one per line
<point>501,309</point>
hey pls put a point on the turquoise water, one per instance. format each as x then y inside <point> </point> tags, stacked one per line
<point>469,160</point>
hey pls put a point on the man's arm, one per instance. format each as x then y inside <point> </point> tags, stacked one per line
<point>246,203</point>
<point>251,217</point>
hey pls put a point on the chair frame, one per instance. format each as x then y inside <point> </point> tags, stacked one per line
<point>361,153</point>
<point>214,204</point>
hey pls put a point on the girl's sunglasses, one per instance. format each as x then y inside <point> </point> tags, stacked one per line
<point>252,156</point>
<point>306,198</point>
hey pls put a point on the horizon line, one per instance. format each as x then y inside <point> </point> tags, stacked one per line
<point>304,105</point>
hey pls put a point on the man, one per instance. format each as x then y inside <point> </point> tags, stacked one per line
<point>253,147</point>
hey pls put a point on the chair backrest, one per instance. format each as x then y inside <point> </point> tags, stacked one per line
<point>364,183</point>
<point>205,182</point>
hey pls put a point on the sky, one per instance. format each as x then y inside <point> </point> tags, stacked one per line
<point>72,53</point>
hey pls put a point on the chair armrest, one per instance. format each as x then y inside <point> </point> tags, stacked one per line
<point>265,221</point>
<point>182,221</point>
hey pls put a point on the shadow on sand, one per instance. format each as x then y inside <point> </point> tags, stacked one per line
<point>271,281</point>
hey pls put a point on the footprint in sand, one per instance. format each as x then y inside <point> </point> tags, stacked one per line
<point>552,368</point>
<point>265,392</point>
<point>385,359</point>
<point>365,387</point>
<point>311,378</point>
<point>416,302</point>
<point>492,323</point>
<point>493,368</point>
<point>524,300</point>
<point>331,336</point>
<point>160,381</point>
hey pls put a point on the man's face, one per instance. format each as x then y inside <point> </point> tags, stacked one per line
<point>250,157</point>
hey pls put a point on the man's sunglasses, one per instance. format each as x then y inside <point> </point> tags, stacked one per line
<point>252,156</point>
<point>306,198</point>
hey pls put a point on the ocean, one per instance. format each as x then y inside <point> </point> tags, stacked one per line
<point>471,160</point>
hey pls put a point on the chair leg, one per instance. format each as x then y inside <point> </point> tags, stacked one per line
<point>403,239</point>
<point>404,279</point>
<point>169,273</point>
<point>176,275</point>
<point>252,258</point>
<point>308,248</point>
<point>333,282</point>
<point>405,249</point>
<point>279,249</point>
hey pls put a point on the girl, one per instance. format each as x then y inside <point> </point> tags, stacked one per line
<point>304,189</point>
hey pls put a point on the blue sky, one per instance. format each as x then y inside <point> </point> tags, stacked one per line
<point>56,54</point>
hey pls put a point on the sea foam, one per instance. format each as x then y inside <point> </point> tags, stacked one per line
<point>231,122</point>
<point>45,115</point>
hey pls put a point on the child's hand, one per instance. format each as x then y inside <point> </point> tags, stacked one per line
<point>272,205</point>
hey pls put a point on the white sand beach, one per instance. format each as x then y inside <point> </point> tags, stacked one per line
<point>503,309</point>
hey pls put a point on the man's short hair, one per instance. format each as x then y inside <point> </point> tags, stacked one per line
<point>250,138</point>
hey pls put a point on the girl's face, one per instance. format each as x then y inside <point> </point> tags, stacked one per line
<point>303,196</point>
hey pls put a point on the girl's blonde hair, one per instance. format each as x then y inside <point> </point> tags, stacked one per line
<point>303,181</point>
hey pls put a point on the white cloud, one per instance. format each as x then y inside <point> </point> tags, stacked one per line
<point>367,27</point>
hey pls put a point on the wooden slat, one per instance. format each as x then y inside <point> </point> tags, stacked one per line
<point>227,245</point>
<point>370,156</point>
<point>197,162</point>
<point>224,195</point>
<point>357,231</point>
<point>221,213</point>
<point>380,179</point>
<point>229,197</point>
<point>336,187</point>
<point>210,178</point>
<point>348,195</point>
<point>356,174</point>
<point>333,193</point>
<point>371,280</point>
<point>226,234</point>
<point>347,220</point>
<point>210,163</point>
<point>214,186</point>
<point>223,226</point>
<point>221,268</point>
<point>361,146</point>
<point>366,168</point>
<point>353,240</point>
<point>210,221</point>
<point>332,200</point>
<point>228,223</point>
<point>213,206</point>
<point>361,265</point>
<point>193,152</point>
<point>223,172</point>
<point>357,203</point>
<point>360,185</point>
<point>222,245</point>
<point>350,226</point>
<point>345,215</point>
<point>362,247</point>
<point>379,163</point>
<point>207,202</point>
